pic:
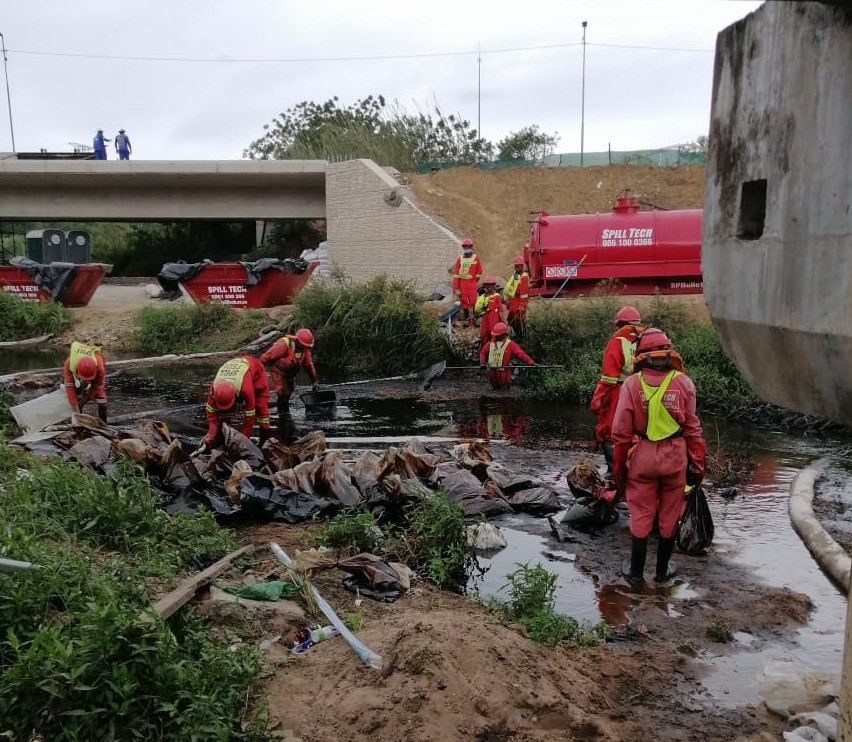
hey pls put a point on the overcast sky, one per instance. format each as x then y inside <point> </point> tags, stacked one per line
<point>76,65</point>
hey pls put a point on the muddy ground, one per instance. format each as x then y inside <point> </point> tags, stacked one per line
<point>833,504</point>
<point>453,672</point>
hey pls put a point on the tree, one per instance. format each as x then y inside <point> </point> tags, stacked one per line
<point>699,145</point>
<point>370,128</point>
<point>527,144</point>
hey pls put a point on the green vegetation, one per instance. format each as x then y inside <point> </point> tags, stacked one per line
<point>575,334</point>
<point>527,144</point>
<point>429,536</point>
<point>353,531</point>
<point>8,427</point>
<point>720,631</point>
<point>530,604</point>
<point>21,319</point>
<point>197,328</point>
<point>107,237</point>
<point>77,659</point>
<point>434,543</point>
<point>376,328</point>
<point>372,128</point>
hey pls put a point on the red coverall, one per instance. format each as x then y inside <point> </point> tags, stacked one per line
<point>286,362</point>
<point>466,275</point>
<point>494,313</point>
<point>97,389</point>
<point>517,304</point>
<point>656,473</point>
<point>613,374</point>
<point>502,378</point>
<point>252,392</point>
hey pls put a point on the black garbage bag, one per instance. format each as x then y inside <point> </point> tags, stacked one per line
<point>260,496</point>
<point>695,530</point>
<point>538,501</point>
<point>588,513</point>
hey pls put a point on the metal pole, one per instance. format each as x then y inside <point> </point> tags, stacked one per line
<point>479,94</point>
<point>583,97</point>
<point>8,97</point>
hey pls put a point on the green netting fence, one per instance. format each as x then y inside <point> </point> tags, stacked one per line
<point>646,157</point>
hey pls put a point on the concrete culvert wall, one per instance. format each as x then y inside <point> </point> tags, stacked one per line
<point>374,227</point>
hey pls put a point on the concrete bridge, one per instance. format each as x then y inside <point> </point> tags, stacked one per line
<point>373,224</point>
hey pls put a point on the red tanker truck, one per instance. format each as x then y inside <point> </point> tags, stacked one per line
<point>646,251</point>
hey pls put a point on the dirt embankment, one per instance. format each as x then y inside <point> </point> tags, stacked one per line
<point>494,207</point>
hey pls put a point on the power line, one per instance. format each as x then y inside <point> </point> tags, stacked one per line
<point>366,58</point>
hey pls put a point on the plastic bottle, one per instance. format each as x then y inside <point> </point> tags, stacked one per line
<point>320,635</point>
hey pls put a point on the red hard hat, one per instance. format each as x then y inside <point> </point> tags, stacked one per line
<point>627,314</point>
<point>518,260</point>
<point>305,337</point>
<point>467,242</point>
<point>489,281</point>
<point>224,395</point>
<point>653,339</point>
<point>87,368</point>
<point>499,329</point>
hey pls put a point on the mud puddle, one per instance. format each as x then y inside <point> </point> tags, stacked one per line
<point>756,554</point>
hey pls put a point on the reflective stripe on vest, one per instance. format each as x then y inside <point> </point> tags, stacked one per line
<point>78,351</point>
<point>464,267</point>
<point>496,353</point>
<point>233,371</point>
<point>661,424</point>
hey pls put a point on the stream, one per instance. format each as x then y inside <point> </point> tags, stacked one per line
<point>753,529</point>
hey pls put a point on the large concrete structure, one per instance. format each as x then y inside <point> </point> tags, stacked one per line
<point>373,224</point>
<point>777,249</point>
<point>777,244</point>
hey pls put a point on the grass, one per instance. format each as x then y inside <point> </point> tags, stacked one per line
<point>353,531</point>
<point>429,535</point>
<point>77,661</point>
<point>8,427</point>
<point>21,319</point>
<point>720,631</point>
<point>198,328</point>
<point>531,604</point>
<point>378,328</point>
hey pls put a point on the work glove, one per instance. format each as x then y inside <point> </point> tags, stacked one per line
<point>102,413</point>
<point>458,302</point>
<point>619,466</point>
<point>79,406</point>
<point>203,447</point>
<point>696,454</point>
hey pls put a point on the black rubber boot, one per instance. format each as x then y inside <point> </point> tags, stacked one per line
<point>609,454</point>
<point>666,568</point>
<point>634,570</point>
<point>283,405</point>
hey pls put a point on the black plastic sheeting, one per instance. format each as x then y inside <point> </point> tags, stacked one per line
<point>53,277</point>
<point>172,274</point>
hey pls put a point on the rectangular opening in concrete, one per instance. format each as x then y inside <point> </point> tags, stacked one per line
<point>752,209</point>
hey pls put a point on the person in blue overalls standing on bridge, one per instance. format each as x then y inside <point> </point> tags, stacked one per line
<point>100,145</point>
<point>122,145</point>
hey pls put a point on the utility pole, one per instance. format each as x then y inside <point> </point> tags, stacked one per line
<point>583,98</point>
<point>8,97</point>
<point>479,93</point>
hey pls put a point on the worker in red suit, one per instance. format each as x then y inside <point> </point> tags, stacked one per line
<point>240,381</point>
<point>517,295</point>
<point>498,354</point>
<point>489,308</point>
<point>466,275</point>
<point>284,359</point>
<point>658,449</point>
<point>616,367</point>
<point>85,378</point>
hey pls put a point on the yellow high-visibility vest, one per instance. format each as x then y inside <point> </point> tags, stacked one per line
<point>464,266</point>
<point>496,353</point>
<point>661,424</point>
<point>78,351</point>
